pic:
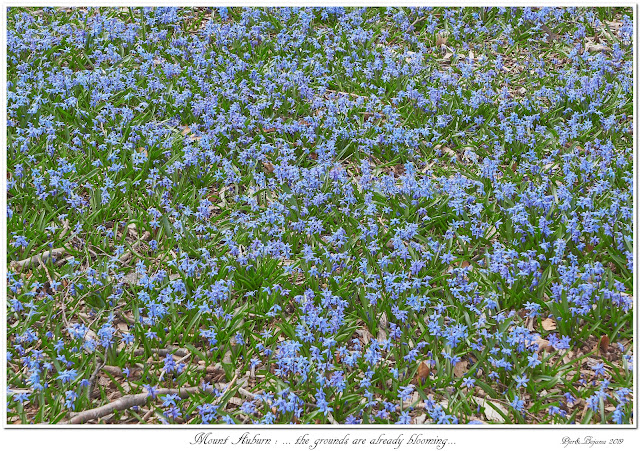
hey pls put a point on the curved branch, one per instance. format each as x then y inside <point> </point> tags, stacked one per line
<point>128,401</point>
<point>39,258</point>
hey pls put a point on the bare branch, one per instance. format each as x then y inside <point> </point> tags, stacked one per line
<point>129,401</point>
<point>38,259</point>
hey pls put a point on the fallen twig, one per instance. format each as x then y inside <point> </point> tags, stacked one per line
<point>147,415</point>
<point>92,379</point>
<point>128,401</point>
<point>40,258</point>
<point>246,393</point>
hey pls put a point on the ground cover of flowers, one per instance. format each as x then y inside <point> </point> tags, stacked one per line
<point>377,215</point>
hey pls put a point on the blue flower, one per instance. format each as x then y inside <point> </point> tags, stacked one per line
<point>67,375</point>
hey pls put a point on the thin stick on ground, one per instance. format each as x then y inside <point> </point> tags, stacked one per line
<point>129,401</point>
<point>94,375</point>
<point>38,259</point>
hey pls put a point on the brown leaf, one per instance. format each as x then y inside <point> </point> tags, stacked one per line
<point>423,373</point>
<point>602,346</point>
<point>441,39</point>
<point>604,343</point>
<point>551,35</point>
<point>549,324</point>
<point>543,345</point>
<point>491,411</point>
<point>268,167</point>
<point>313,155</point>
<point>186,131</point>
<point>461,368</point>
<point>269,130</point>
<point>365,335</point>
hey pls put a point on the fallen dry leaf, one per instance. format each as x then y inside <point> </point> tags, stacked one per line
<point>602,346</point>
<point>490,412</point>
<point>365,335</point>
<point>543,345</point>
<point>268,167</point>
<point>441,39</point>
<point>423,373</point>
<point>399,169</point>
<point>549,324</point>
<point>551,35</point>
<point>420,419</point>
<point>461,368</point>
